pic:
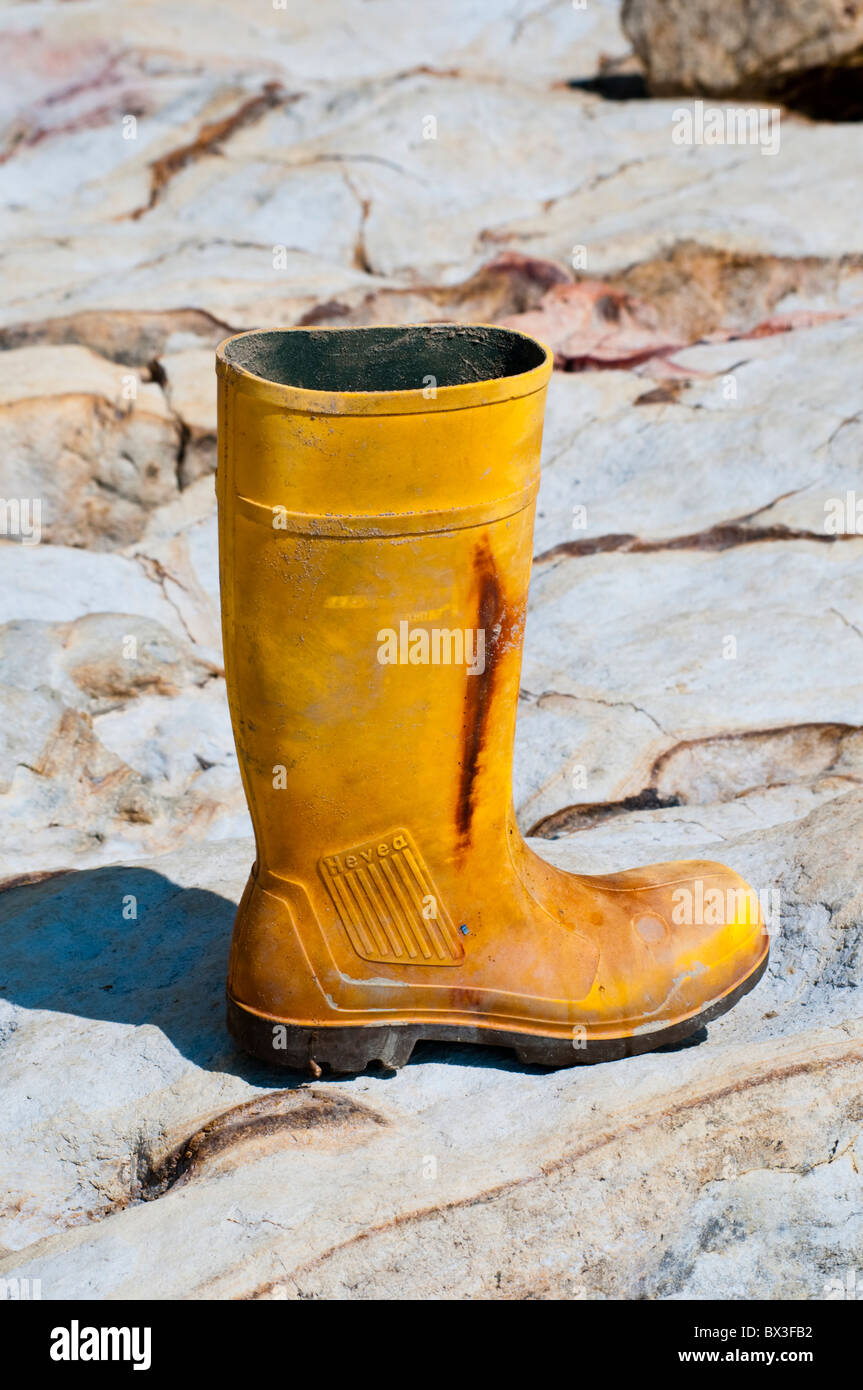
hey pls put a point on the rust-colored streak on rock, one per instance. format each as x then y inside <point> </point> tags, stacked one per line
<point>675,1108</point>
<point>479,688</point>
<point>586,815</point>
<point>280,1112</point>
<point>660,791</point>
<point>27,879</point>
<point>723,536</point>
<point>209,139</point>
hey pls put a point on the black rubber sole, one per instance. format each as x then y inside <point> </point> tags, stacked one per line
<point>353,1048</point>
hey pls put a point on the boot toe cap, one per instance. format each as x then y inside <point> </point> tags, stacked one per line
<point>704,930</point>
<point>689,935</point>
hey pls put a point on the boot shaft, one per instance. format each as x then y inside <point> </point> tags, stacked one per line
<point>375,554</point>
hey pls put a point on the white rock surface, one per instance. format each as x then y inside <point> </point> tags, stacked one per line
<point>502,1181</point>
<point>89,439</point>
<point>693,674</point>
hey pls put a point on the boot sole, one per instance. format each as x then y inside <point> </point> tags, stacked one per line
<point>352,1048</point>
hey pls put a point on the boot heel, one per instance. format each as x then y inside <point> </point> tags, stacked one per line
<point>318,1050</point>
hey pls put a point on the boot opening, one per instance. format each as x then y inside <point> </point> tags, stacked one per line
<point>384,359</point>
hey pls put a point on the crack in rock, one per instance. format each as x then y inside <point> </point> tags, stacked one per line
<point>673,1114</point>
<point>266,1122</point>
<point>724,767</point>
<point>725,535</point>
<point>209,140</point>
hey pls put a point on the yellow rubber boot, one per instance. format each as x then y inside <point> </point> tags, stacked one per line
<point>376,503</point>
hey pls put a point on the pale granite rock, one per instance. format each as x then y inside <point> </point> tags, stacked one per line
<point>498,1178</point>
<point>116,740</point>
<point>100,662</point>
<point>691,646</point>
<point>92,442</point>
<point>692,679</point>
<point>58,583</point>
<point>341,193</point>
<point>189,378</point>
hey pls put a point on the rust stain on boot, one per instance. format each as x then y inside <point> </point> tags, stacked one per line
<point>479,688</point>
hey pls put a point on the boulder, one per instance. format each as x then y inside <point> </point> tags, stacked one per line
<point>739,49</point>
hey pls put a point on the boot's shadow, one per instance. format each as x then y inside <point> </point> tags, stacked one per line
<point>125,944</point>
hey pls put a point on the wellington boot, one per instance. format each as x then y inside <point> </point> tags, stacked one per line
<point>376,504</point>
